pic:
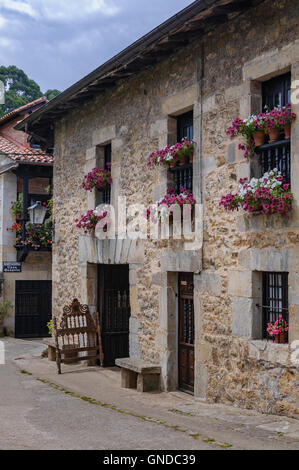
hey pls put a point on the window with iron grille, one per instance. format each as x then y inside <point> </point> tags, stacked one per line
<point>275,298</point>
<point>276,92</point>
<point>183,175</point>
<point>107,157</point>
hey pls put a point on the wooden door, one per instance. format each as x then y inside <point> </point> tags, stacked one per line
<point>114,309</point>
<point>186,333</point>
<point>33,308</point>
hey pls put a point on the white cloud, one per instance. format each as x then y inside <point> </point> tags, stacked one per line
<point>19,6</point>
<point>61,10</point>
<point>2,21</point>
<point>74,9</point>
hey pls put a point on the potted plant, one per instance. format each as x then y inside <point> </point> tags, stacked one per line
<point>267,195</point>
<point>17,206</point>
<point>252,129</point>
<point>5,306</point>
<point>278,330</point>
<point>179,153</point>
<point>37,236</point>
<point>97,178</point>
<point>287,117</point>
<point>89,220</point>
<point>162,208</point>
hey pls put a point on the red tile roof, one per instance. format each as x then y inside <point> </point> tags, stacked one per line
<point>16,111</point>
<point>18,153</point>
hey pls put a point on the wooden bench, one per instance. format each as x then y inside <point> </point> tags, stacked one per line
<point>137,373</point>
<point>77,333</point>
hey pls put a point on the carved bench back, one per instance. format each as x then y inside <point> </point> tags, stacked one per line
<point>76,332</point>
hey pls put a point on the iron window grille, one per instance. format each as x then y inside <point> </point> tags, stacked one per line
<point>275,298</point>
<point>276,155</point>
<point>276,92</point>
<point>183,175</point>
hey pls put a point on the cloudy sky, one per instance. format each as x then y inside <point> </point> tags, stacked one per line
<point>57,42</point>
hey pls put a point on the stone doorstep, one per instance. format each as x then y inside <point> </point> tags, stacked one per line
<point>138,365</point>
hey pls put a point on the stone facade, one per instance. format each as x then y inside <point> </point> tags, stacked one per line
<point>220,78</point>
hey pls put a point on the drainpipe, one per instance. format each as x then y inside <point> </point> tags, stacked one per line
<point>201,81</point>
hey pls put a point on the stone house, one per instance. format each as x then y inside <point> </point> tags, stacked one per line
<point>26,173</point>
<point>199,312</point>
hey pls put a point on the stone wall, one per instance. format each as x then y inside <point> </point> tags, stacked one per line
<point>231,363</point>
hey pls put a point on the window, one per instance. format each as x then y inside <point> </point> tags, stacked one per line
<point>275,298</point>
<point>183,175</point>
<point>276,92</point>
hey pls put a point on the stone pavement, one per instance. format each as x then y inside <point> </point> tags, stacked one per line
<point>212,426</point>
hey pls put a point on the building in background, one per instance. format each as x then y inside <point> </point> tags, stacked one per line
<point>200,313</point>
<point>26,174</point>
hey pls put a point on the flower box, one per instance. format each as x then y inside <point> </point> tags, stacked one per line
<point>97,178</point>
<point>173,155</point>
<point>161,210</point>
<point>257,126</point>
<point>89,220</point>
<point>266,195</point>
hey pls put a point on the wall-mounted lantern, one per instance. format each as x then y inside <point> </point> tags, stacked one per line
<point>37,213</point>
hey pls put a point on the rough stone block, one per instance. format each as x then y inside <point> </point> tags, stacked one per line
<point>240,283</point>
<point>242,309</point>
<point>181,261</point>
<point>207,283</point>
<point>128,378</point>
<point>103,135</point>
<point>180,101</point>
<point>148,382</point>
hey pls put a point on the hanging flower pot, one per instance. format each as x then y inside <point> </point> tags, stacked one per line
<point>274,134</point>
<point>173,163</point>
<point>259,138</point>
<point>287,132</point>
<point>191,157</point>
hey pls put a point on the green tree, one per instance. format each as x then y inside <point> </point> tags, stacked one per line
<point>50,94</point>
<point>19,88</point>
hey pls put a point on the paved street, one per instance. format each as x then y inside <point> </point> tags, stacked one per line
<point>36,415</point>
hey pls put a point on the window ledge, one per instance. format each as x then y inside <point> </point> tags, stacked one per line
<point>264,350</point>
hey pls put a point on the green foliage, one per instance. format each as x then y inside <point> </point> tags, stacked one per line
<point>5,305</point>
<point>19,88</point>
<point>50,327</point>
<point>50,94</point>
<point>17,206</point>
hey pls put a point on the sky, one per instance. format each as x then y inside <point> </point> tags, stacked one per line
<point>57,42</point>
